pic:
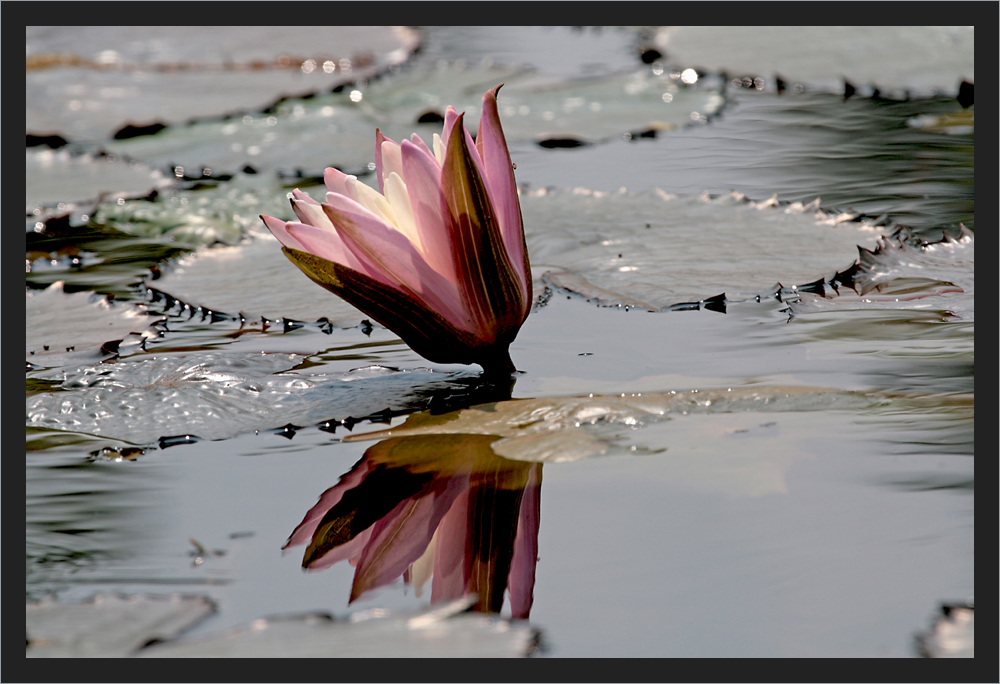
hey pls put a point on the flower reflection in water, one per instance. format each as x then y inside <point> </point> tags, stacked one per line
<point>439,508</point>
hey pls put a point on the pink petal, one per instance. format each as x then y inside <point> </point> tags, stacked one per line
<point>390,257</point>
<point>309,211</point>
<point>500,183</point>
<point>336,181</point>
<point>303,196</point>
<point>423,183</point>
<point>451,116</point>
<point>279,229</point>
<point>487,281</point>
<point>330,246</point>
<point>419,142</point>
<point>391,162</point>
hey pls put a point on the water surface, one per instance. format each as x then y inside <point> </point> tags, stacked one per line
<point>746,393</point>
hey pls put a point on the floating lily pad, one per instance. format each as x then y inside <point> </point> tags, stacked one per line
<point>59,176</point>
<point>440,632</point>
<point>195,218</point>
<point>918,59</point>
<point>859,155</point>
<point>336,129</point>
<point>116,244</point>
<point>953,634</point>
<point>255,279</point>
<point>216,395</point>
<point>905,274</point>
<point>650,250</point>
<point>109,625</point>
<point>549,429</point>
<point>88,82</point>
<point>654,250</point>
<point>564,51</point>
<point>63,329</point>
<point>586,109</point>
<point>113,626</point>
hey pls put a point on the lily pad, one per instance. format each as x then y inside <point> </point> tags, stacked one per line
<point>953,634</point>
<point>109,625</point>
<point>114,626</point>
<point>650,250</point>
<point>702,453</point>
<point>142,74</point>
<point>655,250</point>
<point>918,59</point>
<point>440,632</point>
<point>336,129</point>
<point>195,218</point>
<point>216,395</point>
<point>259,281</point>
<point>586,109</point>
<point>58,323</point>
<point>59,176</point>
<point>903,273</point>
<point>526,418</point>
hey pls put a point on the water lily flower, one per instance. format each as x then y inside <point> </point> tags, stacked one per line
<point>443,509</point>
<point>437,254</point>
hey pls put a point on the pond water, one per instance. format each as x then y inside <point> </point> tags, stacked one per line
<point>743,418</point>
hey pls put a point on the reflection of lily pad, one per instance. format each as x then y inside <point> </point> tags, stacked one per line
<point>529,426</point>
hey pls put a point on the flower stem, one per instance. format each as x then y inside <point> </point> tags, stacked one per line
<point>497,365</point>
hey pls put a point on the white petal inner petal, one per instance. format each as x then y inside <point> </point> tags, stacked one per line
<point>439,149</point>
<point>371,200</point>
<point>399,198</point>
<point>392,159</point>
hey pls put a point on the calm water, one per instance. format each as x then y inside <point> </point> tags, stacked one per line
<point>792,477</point>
